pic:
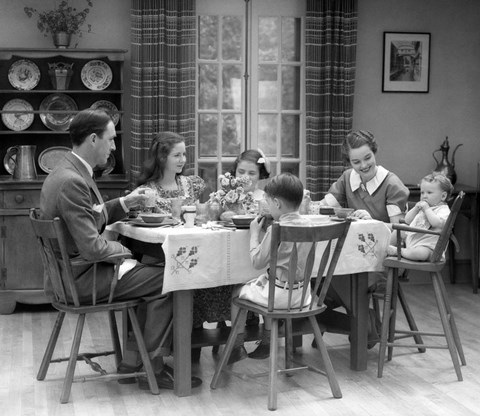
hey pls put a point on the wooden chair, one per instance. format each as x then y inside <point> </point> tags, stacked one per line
<point>434,267</point>
<point>297,236</point>
<point>52,242</point>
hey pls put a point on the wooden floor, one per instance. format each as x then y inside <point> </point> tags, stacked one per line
<point>413,383</point>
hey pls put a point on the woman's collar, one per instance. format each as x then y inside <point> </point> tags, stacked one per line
<point>373,184</point>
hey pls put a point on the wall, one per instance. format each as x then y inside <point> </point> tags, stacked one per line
<point>410,126</point>
<point>110,21</point>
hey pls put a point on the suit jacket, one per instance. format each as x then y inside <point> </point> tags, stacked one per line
<point>70,193</point>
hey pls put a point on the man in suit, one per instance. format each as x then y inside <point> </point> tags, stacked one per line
<point>70,193</point>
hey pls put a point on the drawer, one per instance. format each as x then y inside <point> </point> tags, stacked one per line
<point>21,199</point>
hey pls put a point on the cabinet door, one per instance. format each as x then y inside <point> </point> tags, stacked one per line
<point>22,268</point>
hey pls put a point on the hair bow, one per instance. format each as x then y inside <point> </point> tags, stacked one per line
<point>264,160</point>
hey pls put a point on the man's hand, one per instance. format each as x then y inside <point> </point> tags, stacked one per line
<point>136,198</point>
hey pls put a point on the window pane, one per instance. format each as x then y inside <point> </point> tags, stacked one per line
<point>291,38</point>
<point>290,87</point>
<point>290,135</point>
<point>267,133</point>
<point>268,38</point>
<point>207,134</point>
<point>232,87</point>
<point>207,79</point>
<point>232,38</point>
<point>291,167</point>
<point>207,35</point>
<point>231,134</point>
<point>267,87</point>
<point>208,172</point>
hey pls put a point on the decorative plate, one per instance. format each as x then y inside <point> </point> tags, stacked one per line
<point>110,108</point>
<point>50,157</point>
<point>107,167</point>
<point>24,75</point>
<point>10,160</point>
<point>57,111</point>
<point>19,120</point>
<point>96,75</point>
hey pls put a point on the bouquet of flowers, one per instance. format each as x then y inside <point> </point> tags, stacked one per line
<point>232,194</point>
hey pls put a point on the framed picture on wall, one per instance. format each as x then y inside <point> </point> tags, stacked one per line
<point>406,62</point>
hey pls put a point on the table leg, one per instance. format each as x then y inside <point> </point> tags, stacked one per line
<point>359,321</point>
<point>182,341</point>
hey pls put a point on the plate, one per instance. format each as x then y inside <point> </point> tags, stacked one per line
<point>10,160</point>
<point>110,108</point>
<point>24,75</point>
<point>57,102</point>
<point>96,75</point>
<point>107,167</point>
<point>140,223</point>
<point>17,121</point>
<point>50,157</point>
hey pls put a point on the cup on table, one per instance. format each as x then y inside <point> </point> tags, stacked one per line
<point>176,207</point>
<point>189,213</point>
<point>202,213</point>
<point>151,199</point>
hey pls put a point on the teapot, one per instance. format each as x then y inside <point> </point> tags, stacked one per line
<point>23,159</point>
<point>444,166</point>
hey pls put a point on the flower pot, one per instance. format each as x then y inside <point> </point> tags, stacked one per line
<point>62,40</point>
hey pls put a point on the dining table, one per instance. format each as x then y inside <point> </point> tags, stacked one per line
<point>209,256</point>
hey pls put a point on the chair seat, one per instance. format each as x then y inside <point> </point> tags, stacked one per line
<point>101,307</point>
<point>279,313</point>
<point>393,262</point>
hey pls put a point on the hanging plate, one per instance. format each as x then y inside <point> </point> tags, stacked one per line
<point>57,102</point>
<point>110,108</point>
<point>20,119</point>
<point>24,75</point>
<point>50,157</point>
<point>96,75</point>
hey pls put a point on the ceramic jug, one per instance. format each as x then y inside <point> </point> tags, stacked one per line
<point>23,158</point>
<point>444,166</point>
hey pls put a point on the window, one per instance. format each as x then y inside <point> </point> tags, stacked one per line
<point>250,68</point>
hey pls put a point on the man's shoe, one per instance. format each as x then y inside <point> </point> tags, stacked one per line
<point>165,380</point>
<point>238,353</point>
<point>127,369</point>
<point>261,352</point>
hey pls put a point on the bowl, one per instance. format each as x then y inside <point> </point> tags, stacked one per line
<point>343,212</point>
<point>152,217</point>
<point>242,220</point>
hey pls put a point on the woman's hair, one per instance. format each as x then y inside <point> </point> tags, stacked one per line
<point>442,180</point>
<point>356,139</point>
<point>87,122</point>
<point>251,156</point>
<point>286,186</point>
<point>154,164</point>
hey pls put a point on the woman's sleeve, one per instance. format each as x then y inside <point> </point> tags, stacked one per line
<point>337,194</point>
<point>397,196</point>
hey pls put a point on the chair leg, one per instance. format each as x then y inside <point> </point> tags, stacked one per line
<point>387,315</point>
<point>241,316</point>
<point>408,314</point>
<point>273,372</point>
<point>453,325</point>
<point>147,364</point>
<point>115,339</point>
<point>446,324</point>
<point>52,342</point>
<point>332,378</point>
<point>289,343</point>
<point>72,362</point>
<point>393,314</point>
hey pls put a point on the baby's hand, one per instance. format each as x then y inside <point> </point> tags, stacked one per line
<point>422,205</point>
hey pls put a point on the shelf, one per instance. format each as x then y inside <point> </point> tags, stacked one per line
<point>40,132</point>
<point>34,91</point>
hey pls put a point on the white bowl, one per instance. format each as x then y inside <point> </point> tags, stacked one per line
<point>152,217</point>
<point>243,220</point>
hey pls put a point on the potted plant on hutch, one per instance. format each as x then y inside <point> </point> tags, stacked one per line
<point>62,22</point>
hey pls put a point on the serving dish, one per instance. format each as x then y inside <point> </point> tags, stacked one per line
<point>140,223</point>
<point>96,75</point>
<point>24,75</point>
<point>57,111</point>
<point>110,108</point>
<point>20,119</point>
<point>153,217</point>
<point>50,157</point>
<point>242,220</point>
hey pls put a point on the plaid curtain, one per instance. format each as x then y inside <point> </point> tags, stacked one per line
<point>331,36</point>
<point>163,75</point>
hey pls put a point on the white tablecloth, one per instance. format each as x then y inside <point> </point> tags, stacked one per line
<point>199,258</point>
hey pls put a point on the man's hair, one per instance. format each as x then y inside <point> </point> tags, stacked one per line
<point>87,122</point>
<point>442,180</point>
<point>287,187</point>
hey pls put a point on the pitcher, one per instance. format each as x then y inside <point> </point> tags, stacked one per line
<point>24,161</point>
<point>444,166</point>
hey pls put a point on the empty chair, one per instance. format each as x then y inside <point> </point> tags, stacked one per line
<point>390,337</point>
<point>58,269</point>
<point>298,236</point>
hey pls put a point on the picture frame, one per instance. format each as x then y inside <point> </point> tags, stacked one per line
<point>406,62</point>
